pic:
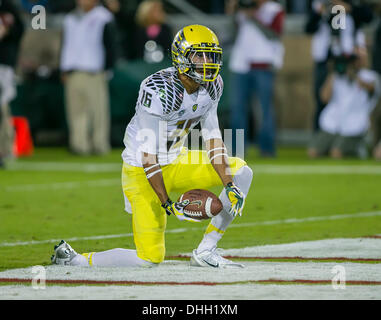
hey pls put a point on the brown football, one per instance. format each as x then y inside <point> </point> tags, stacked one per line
<point>203,204</point>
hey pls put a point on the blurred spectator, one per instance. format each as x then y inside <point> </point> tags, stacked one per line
<point>377,151</point>
<point>88,50</point>
<point>11,31</point>
<point>217,6</point>
<point>351,92</point>
<point>153,37</point>
<point>58,6</point>
<point>328,42</point>
<point>256,55</point>
<point>126,27</point>
<point>377,68</point>
<point>377,42</point>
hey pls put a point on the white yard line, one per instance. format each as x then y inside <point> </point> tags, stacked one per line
<point>182,230</point>
<point>258,168</point>
<point>358,248</point>
<point>63,185</point>
<point>318,169</point>
<point>101,237</point>
<point>309,219</point>
<point>64,166</point>
<point>192,293</point>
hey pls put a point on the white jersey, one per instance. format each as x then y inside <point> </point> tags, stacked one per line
<point>165,114</point>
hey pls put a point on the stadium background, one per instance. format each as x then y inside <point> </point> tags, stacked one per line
<point>40,92</point>
<point>294,201</point>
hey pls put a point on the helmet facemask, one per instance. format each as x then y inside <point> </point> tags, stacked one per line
<point>204,63</point>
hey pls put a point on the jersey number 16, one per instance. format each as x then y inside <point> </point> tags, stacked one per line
<point>146,99</point>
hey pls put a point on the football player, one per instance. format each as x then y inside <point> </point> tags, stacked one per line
<point>171,102</point>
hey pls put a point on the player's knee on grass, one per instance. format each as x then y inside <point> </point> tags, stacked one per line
<point>150,246</point>
<point>153,255</point>
<point>152,249</point>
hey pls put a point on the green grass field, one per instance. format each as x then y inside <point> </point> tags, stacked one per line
<point>55,195</point>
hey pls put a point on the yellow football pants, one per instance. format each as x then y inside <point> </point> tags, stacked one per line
<point>148,217</point>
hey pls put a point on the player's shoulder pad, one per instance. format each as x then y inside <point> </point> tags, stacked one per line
<point>215,88</point>
<point>167,87</point>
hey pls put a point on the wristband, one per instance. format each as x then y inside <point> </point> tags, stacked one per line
<point>167,204</point>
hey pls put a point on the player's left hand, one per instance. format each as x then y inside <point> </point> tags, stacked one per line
<point>236,197</point>
<point>177,209</point>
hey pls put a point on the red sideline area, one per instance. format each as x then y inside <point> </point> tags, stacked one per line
<point>289,258</point>
<point>373,237</point>
<point>196,283</point>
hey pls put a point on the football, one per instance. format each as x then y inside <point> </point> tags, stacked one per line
<point>203,204</point>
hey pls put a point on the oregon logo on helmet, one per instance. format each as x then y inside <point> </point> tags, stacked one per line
<point>196,52</point>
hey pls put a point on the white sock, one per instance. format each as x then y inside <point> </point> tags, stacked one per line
<point>79,260</point>
<point>111,258</point>
<point>119,258</point>
<point>221,222</point>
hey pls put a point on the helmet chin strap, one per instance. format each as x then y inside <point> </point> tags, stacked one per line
<point>196,76</point>
<point>189,83</point>
<point>198,80</point>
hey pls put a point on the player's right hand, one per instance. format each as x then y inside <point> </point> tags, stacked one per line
<point>177,209</point>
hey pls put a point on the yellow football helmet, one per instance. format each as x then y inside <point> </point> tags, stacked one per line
<point>196,52</point>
